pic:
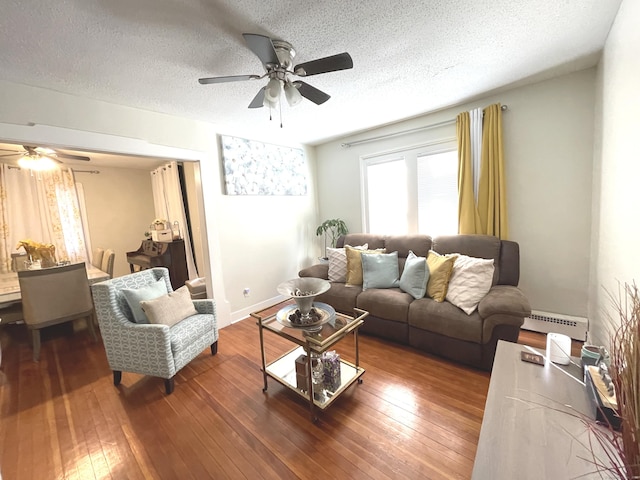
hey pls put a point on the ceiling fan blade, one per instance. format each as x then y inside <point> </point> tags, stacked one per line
<point>232,78</point>
<point>263,47</point>
<point>311,93</point>
<point>7,150</point>
<point>258,100</point>
<point>10,154</point>
<point>72,157</point>
<point>341,61</point>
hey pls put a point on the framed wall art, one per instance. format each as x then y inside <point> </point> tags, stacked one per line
<point>256,168</point>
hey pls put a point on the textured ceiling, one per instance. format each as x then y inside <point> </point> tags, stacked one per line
<point>410,57</point>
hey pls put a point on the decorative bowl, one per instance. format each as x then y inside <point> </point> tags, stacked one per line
<point>303,291</point>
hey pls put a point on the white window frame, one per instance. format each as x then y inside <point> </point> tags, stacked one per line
<point>410,155</point>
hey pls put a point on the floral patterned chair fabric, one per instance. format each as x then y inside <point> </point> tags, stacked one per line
<point>150,349</point>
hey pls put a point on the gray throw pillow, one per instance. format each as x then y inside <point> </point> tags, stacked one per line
<point>380,270</point>
<point>136,295</point>
<point>415,276</point>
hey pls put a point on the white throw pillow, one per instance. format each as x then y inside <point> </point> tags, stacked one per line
<point>338,263</point>
<point>470,281</point>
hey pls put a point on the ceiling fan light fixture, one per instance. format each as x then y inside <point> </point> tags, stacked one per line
<point>272,92</point>
<point>38,163</point>
<point>292,94</point>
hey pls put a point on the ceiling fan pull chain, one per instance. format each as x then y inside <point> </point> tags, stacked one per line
<point>280,106</point>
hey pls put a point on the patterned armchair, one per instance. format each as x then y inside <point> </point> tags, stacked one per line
<point>150,349</point>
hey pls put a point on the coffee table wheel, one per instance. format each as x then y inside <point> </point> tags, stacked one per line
<point>264,390</point>
<point>359,381</point>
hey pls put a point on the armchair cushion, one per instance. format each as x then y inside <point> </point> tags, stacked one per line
<point>136,295</point>
<point>171,308</point>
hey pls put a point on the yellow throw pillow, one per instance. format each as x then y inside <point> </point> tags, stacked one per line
<point>440,268</point>
<point>354,264</point>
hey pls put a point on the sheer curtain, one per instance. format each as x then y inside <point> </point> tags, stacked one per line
<point>167,199</point>
<point>43,207</point>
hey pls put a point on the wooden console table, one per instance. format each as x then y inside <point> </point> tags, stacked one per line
<point>528,431</point>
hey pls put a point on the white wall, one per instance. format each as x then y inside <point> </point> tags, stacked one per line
<point>252,241</point>
<point>548,132</point>
<point>616,229</point>
<point>119,205</point>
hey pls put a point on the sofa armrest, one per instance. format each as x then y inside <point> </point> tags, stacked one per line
<point>503,305</point>
<point>320,270</point>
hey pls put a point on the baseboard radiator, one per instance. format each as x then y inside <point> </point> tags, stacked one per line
<point>545,322</point>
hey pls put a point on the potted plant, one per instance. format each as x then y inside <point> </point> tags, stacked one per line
<point>332,230</point>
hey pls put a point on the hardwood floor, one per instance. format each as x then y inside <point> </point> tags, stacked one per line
<point>414,415</point>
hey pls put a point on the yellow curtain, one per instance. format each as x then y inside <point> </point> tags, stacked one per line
<point>492,195</point>
<point>468,219</point>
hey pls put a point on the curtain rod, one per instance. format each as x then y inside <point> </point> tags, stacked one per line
<point>93,172</point>
<point>406,132</point>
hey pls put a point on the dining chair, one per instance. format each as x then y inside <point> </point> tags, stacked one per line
<point>10,313</point>
<point>55,295</point>
<point>108,258</point>
<point>96,257</point>
<point>18,261</point>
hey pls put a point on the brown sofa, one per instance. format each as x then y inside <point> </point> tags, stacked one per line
<point>439,328</point>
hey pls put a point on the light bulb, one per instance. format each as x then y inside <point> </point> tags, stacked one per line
<point>38,163</point>
<point>292,94</point>
<point>272,93</point>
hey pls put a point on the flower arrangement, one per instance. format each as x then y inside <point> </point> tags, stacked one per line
<point>160,224</point>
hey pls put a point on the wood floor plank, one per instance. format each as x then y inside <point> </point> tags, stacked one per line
<point>414,416</point>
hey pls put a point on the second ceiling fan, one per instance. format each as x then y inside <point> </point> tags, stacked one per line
<point>277,58</point>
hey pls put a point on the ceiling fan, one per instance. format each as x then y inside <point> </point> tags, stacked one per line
<point>40,158</point>
<point>277,58</point>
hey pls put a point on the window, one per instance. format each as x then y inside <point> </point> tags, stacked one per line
<point>438,193</point>
<point>412,191</point>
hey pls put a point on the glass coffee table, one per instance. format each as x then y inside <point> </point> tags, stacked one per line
<point>311,344</point>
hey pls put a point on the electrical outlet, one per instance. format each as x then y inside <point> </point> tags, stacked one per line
<point>246,292</point>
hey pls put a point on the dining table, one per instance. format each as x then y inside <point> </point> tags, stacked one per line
<point>10,286</point>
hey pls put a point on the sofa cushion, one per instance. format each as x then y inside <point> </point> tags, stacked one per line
<point>445,319</point>
<point>479,246</point>
<point>415,276</point>
<point>338,263</point>
<point>354,264</point>
<point>403,244</point>
<point>389,303</point>
<point>380,270</point>
<point>374,241</point>
<point>440,268</point>
<point>341,297</point>
<point>470,281</point>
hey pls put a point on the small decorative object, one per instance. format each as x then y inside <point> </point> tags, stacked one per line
<point>303,291</point>
<point>159,224</point>
<point>161,235</point>
<point>175,230</point>
<point>317,369</point>
<point>559,348</point>
<point>44,253</point>
<point>331,368</point>
<point>302,380</point>
<point>331,229</point>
